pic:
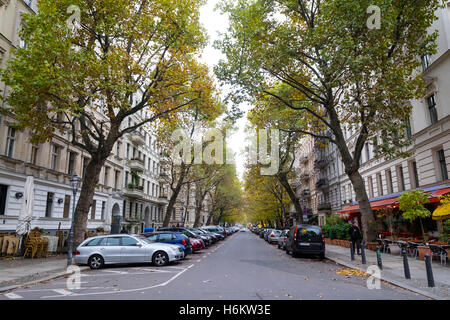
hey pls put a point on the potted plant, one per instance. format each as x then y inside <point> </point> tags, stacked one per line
<point>412,205</point>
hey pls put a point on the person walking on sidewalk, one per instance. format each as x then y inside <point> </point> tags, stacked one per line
<point>355,236</point>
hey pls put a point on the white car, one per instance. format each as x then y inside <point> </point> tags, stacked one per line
<point>124,248</point>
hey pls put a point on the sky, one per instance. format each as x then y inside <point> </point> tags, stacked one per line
<point>214,22</point>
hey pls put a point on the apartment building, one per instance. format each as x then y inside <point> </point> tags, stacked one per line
<point>305,179</point>
<point>52,164</point>
<point>327,171</point>
<point>145,195</point>
<point>184,210</point>
<point>129,194</point>
<point>429,166</point>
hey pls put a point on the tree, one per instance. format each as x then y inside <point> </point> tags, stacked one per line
<point>270,113</point>
<point>346,74</point>
<point>127,57</point>
<point>225,200</point>
<point>266,198</point>
<point>412,204</point>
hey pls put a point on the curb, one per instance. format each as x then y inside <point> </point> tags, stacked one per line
<point>387,279</point>
<point>59,273</point>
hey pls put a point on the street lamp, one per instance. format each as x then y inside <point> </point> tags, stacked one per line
<point>75,183</point>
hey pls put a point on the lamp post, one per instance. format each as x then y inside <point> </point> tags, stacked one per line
<point>75,183</point>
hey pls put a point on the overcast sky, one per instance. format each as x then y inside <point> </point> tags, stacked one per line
<point>214,22</point>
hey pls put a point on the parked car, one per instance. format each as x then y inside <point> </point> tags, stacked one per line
<point>281,240</point>
<point>170,237</point>
<point>197,244</point>
<point>186,232</point>
<point>266,233</point>
<point>219,230</point>
<point>208,239</point>
<point>307,239</point>
<point>117,249</point>
<point>214,236</point>
<point>272,236</point>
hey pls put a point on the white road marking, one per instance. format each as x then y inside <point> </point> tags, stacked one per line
<point>63,292</point>
<point>199,260</point>
<point>12,296</point>
<point>126,290</point>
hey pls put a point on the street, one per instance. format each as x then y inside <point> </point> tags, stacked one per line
<point>243,266</point>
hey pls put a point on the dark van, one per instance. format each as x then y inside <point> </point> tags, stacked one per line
<point>306,239</point>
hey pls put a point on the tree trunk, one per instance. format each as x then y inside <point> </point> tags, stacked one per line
<point>171,205</point>
<point>85,200</point>
<point>364,205</point>
<point>294,199</point>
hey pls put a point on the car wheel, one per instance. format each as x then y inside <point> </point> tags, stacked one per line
<point>322,256</point>
<point>160,259</point>
<point>96,262</point>
<point>287,251</point>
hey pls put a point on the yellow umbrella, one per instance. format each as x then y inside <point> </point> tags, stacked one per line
<point>442,212</point>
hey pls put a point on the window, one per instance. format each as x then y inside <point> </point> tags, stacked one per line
<point>126,178</point>
<point>425,62</point>
<point>128,151</point>
<point>118,148</point>
<point>379,184</point>
<point>54,157</point>
<point>103,209</point>
<point>370,183</point>
<point>166,237</point>
<point>408,128</point>
<point>128,241</point>
<point>390,188</point>
<point>10,140</point>
<point>105,180</point>
<point>432,109</point>
<point>85,163</point>
<point>71,163</point>
<point>400,179</point>
<point>151,237</point>
<point>3,193</point>
<point>367,152</point>
<point>442,164</point>
<point>375,147</point>
<point>113,242</point>
<point>49,204</point>
<point>93,207</point>
<point>34,155</point>
<point>116,178</point>
<point>66,206</point>
<point>414,175</point>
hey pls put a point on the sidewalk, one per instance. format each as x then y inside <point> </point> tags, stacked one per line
<point>14,273</point>
<point>393,271</point>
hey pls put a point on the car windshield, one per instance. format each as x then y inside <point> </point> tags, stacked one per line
<point>196,231</point>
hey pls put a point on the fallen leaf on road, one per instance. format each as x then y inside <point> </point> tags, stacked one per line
<point>352,272</point>
<point>306,278</point>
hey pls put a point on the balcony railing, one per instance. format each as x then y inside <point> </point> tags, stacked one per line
<point>134,191</point>
<point>306,192</point>
<point>324,206</point>
<point>136,164</point>
<point>322,183</point>
<point>137,138</point>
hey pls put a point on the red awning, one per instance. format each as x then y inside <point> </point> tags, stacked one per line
<point>375,205</point>
<point>392,202</point>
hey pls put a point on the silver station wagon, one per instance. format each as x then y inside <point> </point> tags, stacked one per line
<point>116,249</point>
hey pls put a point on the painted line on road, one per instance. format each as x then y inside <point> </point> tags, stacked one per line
<point>124,291</point>
<point>12,296</point>
<point>63,292</point>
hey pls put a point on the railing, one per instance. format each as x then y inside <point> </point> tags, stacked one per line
<point>322,183</point>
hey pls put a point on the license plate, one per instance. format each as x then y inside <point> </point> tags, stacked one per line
<point>304,243</point>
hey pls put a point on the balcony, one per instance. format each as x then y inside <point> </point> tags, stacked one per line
<point>325,206</point>
<point>322,183</point>
<point>137,138</point>
<point>135,192</point>
<point>306,193</point>
<point>136,164</point>
<point>321,162</point>
<point>305,175</point>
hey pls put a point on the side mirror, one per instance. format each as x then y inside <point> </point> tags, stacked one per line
<point>139,244</point>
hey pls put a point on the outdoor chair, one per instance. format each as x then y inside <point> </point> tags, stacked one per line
<point>438,251</point>
<point>412,249</point>
<point>386,244</point>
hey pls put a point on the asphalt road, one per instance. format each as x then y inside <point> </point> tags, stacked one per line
<point>241,267</point>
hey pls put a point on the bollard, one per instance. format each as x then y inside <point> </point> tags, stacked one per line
<point>379,262</point>
<point>352,251</point>
<point>363,254</point>
<point>429,271</point>
<point>405,264</point>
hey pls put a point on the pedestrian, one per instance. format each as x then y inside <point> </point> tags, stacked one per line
<point>123,231</point>
<point>355,236</point>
